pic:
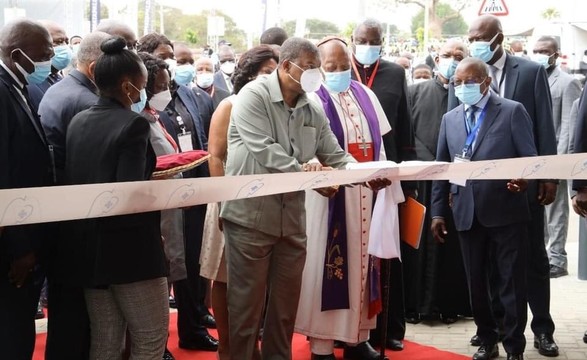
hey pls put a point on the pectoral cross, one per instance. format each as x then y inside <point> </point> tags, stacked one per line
<point>365,147</point>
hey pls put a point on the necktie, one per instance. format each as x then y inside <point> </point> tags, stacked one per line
<point>471,117</point>
<point>494,80</point>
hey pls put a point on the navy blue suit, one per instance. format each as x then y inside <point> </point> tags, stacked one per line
<point>527,83</point>
<point>220,82</point>
<point>489,218</point>
<point>24,162</point>
<point>68,326</point>
<point>37,91</point>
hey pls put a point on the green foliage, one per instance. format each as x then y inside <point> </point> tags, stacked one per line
<point>316,28</point>
<point>192,28</point>
<point>103,11</point>
<point>551,13</point>
<point>452,23</point>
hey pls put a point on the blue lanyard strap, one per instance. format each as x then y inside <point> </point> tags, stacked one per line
<point>472,133</point>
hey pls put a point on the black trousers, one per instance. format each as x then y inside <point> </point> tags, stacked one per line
<point>396,322</point>
<point>190,293</point>
<point>505,247</point>
<point>68,326</point>
<point>18,307</point>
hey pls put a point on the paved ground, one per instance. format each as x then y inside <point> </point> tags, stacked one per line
<point>568,308</point>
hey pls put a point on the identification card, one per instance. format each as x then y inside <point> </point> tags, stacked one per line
<point>460,159</point>
<point>185,141</point>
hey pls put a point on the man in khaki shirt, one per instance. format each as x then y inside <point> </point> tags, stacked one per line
<point>273,129</point>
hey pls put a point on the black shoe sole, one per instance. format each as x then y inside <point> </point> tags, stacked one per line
<point>544,352</point>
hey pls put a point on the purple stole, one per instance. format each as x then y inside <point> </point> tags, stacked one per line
<point>335,286</point>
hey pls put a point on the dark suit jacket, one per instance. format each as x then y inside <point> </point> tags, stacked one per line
<point>37,91</point>
<point>24,162</point>
<point>506,132</point>
<point>60,104</point>
<point>527,83</point>
<point>219,82</point>
<point>108,143</point>
<point>205,107</point>
<point>580,136</point>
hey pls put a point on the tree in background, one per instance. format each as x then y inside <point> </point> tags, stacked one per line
<point>450,20</point>
<point>551,13</point>
<point>316,28</point>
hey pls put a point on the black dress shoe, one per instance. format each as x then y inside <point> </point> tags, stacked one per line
<point>205,343</point>
<point>208,321</point>
<point>585,337</point>
<point>363,351</point>
<point>545,345</point>
<point>515,357</point>
<point>40,314</point>
<point>172,302</point>
<point>339,344</point>
<point>394,344</point>
<point>323,357</point>
<point>167,355</point>
<point>448,318</point>
<point>486,352</point>
<point>475,340</point>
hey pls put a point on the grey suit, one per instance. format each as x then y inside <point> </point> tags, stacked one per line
<point>491,221</point>
<point>564,90</point>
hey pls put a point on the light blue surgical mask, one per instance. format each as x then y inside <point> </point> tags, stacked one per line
<point>367,54</point>
<point>184,74</point>
<point>542,59</point>
<point>75,49</point>
<point>139,105</point>
<point>469,94</point>
<point>41,72</point>
<point>62,58</point>
<point>447,67</point>
<point>337,81</point>
<point>482,49</point>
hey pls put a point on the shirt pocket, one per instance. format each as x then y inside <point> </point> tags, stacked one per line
<point>308,143</point>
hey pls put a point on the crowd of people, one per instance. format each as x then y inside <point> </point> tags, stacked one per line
<point>101,108</point>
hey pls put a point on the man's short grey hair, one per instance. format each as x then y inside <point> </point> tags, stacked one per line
<point>369,23</point>
<point>293,48</point>
<point>89,48</point>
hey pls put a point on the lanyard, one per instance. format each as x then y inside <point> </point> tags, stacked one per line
<point>360,79</point>
<point>472,133</point>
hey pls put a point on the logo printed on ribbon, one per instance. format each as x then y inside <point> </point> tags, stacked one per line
<point>430,172</point>
<point>250,188</point>
<point>315,181</point>
<point>180,196</point>
<point>579,167</point>
<point>484,170</point>
<point>19,210</point>
<point>534,168</point>
<point>104,203</point>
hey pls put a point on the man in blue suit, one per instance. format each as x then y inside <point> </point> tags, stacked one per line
<point>526,82</point>
<point>490,217</point>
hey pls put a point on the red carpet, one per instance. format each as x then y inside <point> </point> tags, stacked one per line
<point>301,349</point>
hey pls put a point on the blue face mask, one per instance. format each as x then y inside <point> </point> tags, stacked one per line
<point>62,58</point>
<point>482,49</point>
<point>75,49</point>
<point>337,81</point>
<point>469,94</point>
<point>41,72</point>
<point>367,54</point>
<point>139,105</point>
<point>184,74</point>
<point>447,67</point>
<point>542,59</point>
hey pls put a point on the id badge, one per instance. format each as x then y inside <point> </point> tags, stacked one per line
<point>460,159</point>
<point>185,141</point>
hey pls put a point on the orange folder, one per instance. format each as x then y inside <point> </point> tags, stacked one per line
<point>411,215</point>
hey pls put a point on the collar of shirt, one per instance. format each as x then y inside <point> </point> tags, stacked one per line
<point>275,90</point>
<point>500,63</point>
<point>481,104</point>
<point>18,82</point>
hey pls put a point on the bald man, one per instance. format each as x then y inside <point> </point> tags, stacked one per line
<point>333,308</point>
<point>432,263</point>
<point>25,53</point>
<point>60,61</point>
<point>119,28</point>
<point>205,80</point>
<point>490,217</point>
<point>227,63</point>
<point>526,82</point>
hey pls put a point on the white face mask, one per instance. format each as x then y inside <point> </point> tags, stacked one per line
<point>227,67</point>
<point>417,81</point>
<point>204,80</point>
<point>519,53</point>
<point>160,100</point>
<point>310,80</point>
